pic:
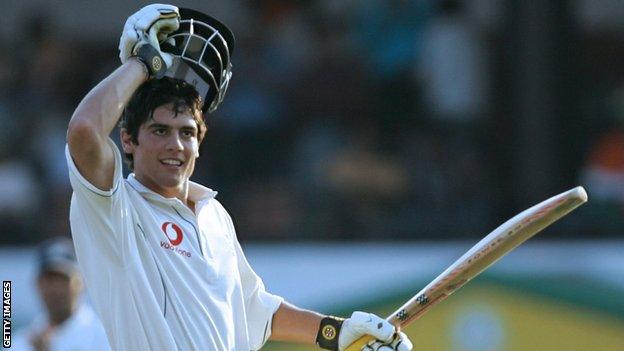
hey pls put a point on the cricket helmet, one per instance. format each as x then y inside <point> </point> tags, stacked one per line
<point>202,49</point>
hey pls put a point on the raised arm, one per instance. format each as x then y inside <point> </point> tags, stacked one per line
<point>98,113</point>
<point>95,118</point>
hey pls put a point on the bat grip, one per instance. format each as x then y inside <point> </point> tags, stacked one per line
<point>359,343</point>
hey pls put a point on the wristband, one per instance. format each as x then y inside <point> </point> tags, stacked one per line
<point>152,60</point>
<point>329,329</point>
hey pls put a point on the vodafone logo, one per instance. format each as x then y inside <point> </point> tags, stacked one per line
<point>173,233</point>
<point>175,236</point>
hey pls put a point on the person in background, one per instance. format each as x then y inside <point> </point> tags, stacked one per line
<point>67,323</point>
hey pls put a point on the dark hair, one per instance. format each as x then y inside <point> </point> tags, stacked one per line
<point>153,94</point>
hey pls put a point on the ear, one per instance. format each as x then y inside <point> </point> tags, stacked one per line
<point>126,141</point>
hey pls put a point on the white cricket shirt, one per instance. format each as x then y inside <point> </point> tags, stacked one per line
<point>162,277</point>
<point>80,332</point>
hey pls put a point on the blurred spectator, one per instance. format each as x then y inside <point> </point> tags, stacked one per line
<point>19,193</point>
<point>448,170</point>
<point>20,196</point>
<point>44,65</point>
<point>603,173</point>
<point>449,188</point>
<point>315,145</point>
<point>347,184</point>
<point>267,209</point>
<point>68,323</point>
<point>385,32</point>
<point>453,68</point>
<point>287,44</point>
<point>360,169</point>
<point>368,183</point>
<point>388,39</point>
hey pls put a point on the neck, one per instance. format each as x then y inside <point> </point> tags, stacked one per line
<point>179,192</point>
<point>182,194</point>
<point>185,199</point>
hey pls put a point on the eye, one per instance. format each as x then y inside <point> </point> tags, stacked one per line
<point>160,131</point>
<point>189,133</point>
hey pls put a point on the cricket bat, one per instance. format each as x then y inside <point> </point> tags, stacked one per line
<point>487,251</point>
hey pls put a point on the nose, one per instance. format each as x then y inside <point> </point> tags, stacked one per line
<point>175,143</point>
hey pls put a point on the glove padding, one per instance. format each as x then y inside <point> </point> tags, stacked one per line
<point>362,323</point>
<point>150,25</point>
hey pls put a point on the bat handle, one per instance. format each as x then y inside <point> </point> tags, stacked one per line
<point>359,343</point>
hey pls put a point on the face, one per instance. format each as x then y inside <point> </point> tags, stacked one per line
<point>164,158</point>
<point>59,293</point>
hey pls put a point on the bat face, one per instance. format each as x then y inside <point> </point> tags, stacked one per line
<point>482,255</point>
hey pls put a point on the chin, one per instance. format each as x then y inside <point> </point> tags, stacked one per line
<point>173,183</point>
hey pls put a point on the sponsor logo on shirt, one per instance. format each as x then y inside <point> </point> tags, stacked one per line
<point>175,235</point>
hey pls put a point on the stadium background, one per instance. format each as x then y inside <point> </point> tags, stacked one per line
<point>414,127</point>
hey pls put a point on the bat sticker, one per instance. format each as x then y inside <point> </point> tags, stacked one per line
<point>402,315</point>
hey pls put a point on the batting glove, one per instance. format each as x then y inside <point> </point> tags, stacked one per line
<point>143,32</point>
<point>399,342</point>
<point>361,324</point>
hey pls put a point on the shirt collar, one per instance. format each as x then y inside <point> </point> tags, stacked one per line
<point>197,192</point>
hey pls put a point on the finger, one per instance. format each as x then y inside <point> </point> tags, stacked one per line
<point>126,44</point>
<point>403,343</point>
<point>164,27</point>
<point>152,13</point>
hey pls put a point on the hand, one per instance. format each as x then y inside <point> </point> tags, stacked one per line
<point>399,342</point>
<point>362,323</point>
<point>150,25</point>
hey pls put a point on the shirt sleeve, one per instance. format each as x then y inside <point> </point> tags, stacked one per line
<point>260,305</point>
<point>82,185</point>
<point>99,218</point>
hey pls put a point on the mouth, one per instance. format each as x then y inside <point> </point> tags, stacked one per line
<point>172,162</point>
